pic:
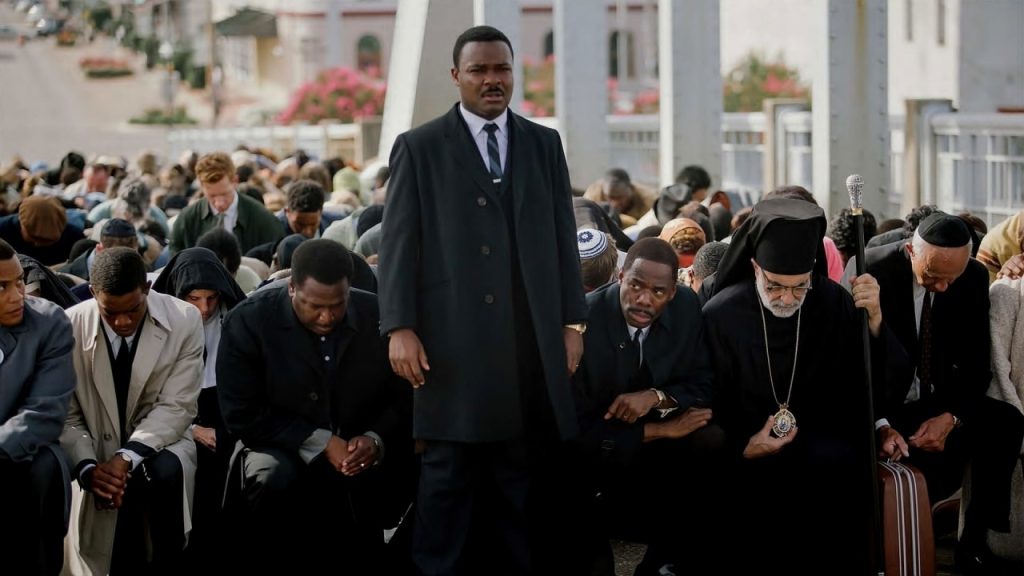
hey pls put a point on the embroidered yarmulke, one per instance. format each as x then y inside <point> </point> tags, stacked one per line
<point>592,243</point>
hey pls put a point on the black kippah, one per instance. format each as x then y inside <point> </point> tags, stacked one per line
<point>118,228</point>
<point>945,231</point>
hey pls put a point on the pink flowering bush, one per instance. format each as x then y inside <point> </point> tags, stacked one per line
<point>754,79</point>
<point>339,94</point>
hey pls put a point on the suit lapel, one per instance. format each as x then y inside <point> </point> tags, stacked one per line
<point>462,146</point>
<point>7,344</point>
<point>103,373</point>
<point>624,361</point>
<point>151,343</point>
<point>517,152</point>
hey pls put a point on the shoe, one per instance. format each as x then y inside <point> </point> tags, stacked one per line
<point>978,560</point>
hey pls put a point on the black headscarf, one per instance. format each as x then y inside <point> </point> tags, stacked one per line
<point>790,251</point>
<point>198,269</point>
<point>589,214</point>
<point>670,200</point>
<point>51,287</point>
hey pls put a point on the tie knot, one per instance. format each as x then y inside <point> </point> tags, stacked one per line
<point>490,127</point>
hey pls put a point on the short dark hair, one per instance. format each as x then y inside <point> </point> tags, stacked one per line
<point>617,175</point>
<point>479,34</point>
<point>844,234</point>
<point>6,251</point>
<point>251,190</point>
<point>118,271</point>
<point>325,261</point>
<point>890,224</point>
<point>915,216</point>
<point>649,232</point>
<point>305,196</point>
<point>224,245</point>
<point>243,172</point>
<point>707,259</point>
<point>695,177</point>
<point>654,250</point>
<point>80,247</point>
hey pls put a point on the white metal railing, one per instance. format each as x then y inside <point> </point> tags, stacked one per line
<point>979,164</point>
<point>743,152</point>
<point>978,158</point>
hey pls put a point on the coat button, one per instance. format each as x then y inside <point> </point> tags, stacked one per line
<point>485,250</point>
<point>481,201</point>
<point>313,396</point>
<point>489,299</point>
<point>107,436</point>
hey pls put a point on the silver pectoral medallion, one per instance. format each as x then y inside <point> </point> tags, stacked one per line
<point>784,422</point>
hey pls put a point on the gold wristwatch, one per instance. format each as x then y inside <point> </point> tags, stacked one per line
<point>580,327</point>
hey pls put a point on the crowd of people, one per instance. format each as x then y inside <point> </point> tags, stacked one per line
<point>455,363</point>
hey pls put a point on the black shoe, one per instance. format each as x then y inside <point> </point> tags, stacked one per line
<point>978,560</point>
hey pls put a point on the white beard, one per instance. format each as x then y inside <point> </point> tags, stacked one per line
<point>777,308</point>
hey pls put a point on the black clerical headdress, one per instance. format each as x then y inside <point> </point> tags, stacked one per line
<point>783,235</point>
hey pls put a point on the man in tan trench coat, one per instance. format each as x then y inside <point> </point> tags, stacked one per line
<point>138,362</point>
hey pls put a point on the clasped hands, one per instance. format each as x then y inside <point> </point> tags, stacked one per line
<point>352,456</point>
<point>107,481</point>
<point>632,406</point>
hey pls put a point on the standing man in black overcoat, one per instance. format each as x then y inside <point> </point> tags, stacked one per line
<point>482,300</point>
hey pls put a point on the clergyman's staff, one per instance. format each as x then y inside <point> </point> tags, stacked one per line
<point>855,187</point>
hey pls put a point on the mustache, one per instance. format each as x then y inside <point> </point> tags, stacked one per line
<point>497,91</point>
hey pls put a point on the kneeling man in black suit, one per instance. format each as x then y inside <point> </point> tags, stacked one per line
<point>643,397</point>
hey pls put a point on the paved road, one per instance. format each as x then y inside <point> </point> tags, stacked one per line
<point>47,107</point>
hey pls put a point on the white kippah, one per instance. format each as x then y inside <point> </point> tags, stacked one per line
<point>592,243</point>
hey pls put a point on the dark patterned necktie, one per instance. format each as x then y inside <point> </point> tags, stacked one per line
<point>924,366</point>
<point>494,158</point>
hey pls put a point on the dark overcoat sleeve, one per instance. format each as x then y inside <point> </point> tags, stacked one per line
<point>242,385</point>
<point>400,243</point>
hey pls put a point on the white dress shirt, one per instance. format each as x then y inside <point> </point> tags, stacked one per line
<point>643,336</point>
<point>230,216</point>
<point>476,128</point>
<point>914,393</point>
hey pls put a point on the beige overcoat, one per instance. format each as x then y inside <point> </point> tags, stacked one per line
<point>166,377</point>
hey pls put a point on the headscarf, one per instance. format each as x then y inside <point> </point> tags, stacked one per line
<point>687,229</point>
<point>43,217</point>
<point>198,269</point>
<point>783,235</point>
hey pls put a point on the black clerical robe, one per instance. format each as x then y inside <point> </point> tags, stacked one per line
<point>808,506</point>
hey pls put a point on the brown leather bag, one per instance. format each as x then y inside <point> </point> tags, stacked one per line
<point>906,521</point>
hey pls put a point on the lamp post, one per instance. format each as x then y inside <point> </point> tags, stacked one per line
<point>166,52</point>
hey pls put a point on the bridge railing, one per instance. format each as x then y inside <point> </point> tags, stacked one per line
<point>978,159</point>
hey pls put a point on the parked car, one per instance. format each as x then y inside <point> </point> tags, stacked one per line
<point>48,26</point>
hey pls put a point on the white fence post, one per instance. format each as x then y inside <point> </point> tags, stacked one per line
<point>919,153</point>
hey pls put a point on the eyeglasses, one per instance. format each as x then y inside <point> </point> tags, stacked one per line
<point>778,290</point>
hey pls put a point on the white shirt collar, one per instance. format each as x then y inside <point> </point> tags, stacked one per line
<point>476,123</point>
<point>643,332</point>
<point>115,339</point>
<point>232,211</point>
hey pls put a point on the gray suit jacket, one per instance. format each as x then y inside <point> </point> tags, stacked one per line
<point>37,379</point>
